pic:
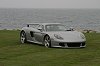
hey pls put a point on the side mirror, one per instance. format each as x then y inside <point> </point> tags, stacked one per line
<point>72,28</point>
<point>40,28</point>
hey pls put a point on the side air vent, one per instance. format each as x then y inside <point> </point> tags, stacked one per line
<point>27,25</point>
<point>32,33</point>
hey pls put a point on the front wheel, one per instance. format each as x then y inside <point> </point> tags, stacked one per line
<point>23,37</point>
<point>47,41</point>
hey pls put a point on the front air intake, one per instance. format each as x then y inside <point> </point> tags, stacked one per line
<point>73,44</point>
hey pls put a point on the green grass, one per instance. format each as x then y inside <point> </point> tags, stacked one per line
<point>13,53</point>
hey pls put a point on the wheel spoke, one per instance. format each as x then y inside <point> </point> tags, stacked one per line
<point>47,41</point>
<point>22,38</point>
<point>47,38</point>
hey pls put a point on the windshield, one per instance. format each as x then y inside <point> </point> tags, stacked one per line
<point>55,27</point>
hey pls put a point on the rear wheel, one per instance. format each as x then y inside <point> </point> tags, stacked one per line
<point>23,37</point>
<point>47,41</point>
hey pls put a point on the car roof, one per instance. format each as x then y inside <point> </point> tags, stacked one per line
<point>42,23</point>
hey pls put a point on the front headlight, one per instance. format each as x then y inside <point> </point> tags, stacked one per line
<point>82,36</point>
<point>58,37</point>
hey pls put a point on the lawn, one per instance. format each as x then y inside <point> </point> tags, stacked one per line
<point>13,53</point>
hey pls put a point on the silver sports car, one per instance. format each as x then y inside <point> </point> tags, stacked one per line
<point>52,35</point>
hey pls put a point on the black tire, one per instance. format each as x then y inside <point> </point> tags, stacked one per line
<point>47,41</point>
<point>23,37</point>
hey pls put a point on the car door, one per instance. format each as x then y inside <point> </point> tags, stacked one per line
<point>39,35</point>
<point>30,32</point>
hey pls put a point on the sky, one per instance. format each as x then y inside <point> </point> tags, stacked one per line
<point>50,4</point>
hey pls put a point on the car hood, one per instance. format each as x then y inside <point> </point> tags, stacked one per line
<point>68,35</point>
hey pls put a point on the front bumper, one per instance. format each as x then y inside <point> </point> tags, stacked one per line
<point>79,44</point>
